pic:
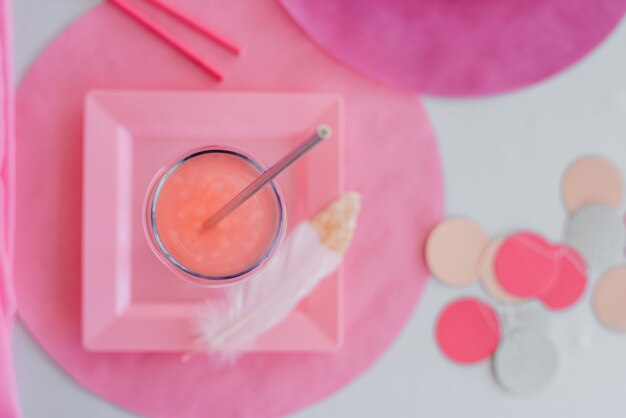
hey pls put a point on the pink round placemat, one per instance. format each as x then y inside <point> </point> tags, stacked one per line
<point>391,159</point>
<point>457,48</point>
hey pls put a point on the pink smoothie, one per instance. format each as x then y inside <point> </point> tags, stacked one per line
<point>197,188</point>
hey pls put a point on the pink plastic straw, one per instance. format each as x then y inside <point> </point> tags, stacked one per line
<point>228,44</point>
<point>158,30</point>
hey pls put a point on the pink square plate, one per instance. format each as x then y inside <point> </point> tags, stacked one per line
<point>131,302</point>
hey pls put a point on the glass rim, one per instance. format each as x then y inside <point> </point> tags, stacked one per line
<point>157,185</point>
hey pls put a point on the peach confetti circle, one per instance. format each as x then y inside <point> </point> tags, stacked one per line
<point>487,274</point>
<point>608,299</point>
<point>592,180</point>
<point>453,251</point>
<point>468,330</point>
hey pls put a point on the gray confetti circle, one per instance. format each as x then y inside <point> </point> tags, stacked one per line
<point>525,361</point>
<point>599,234</point>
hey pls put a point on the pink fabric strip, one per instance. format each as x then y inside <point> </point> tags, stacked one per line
<point>8,393</point>
<point>8,167</point>
<point>7,150</point>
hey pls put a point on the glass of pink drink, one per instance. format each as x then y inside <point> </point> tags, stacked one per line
<point>182,197</point>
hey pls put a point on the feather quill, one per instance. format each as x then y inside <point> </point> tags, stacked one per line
<point>311,252</point>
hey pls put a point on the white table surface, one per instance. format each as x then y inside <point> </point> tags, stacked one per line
<point>502,159</point>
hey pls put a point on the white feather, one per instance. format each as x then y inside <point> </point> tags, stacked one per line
<point>248,310</point>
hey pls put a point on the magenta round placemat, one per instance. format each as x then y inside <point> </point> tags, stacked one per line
<point>457,48</point>
<point>391,159</point>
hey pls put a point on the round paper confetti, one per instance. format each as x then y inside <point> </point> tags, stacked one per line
<point>468,330</point>
<point>526,264</point>
<point>453,251</point>
<point>525,361</point>
<point>487,274</point>
<point>597,232</point>
<point>609,299</point>
<point>592,180</point>
<point>571,280</point>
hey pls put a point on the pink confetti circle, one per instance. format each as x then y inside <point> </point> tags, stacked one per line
<point>571,280</point>
<point>526,264</point>
<point>468,331</point>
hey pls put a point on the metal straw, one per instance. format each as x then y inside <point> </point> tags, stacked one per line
<point>322,132</point>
